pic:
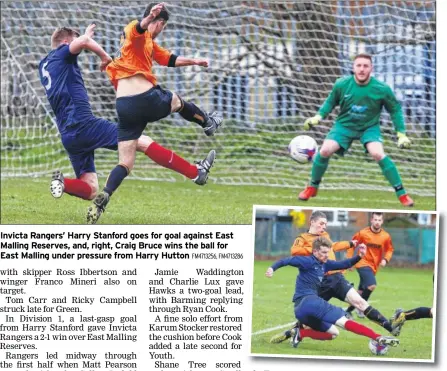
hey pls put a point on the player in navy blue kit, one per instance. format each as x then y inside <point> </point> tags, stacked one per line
<point>313,311</point>
<point>81,132</point>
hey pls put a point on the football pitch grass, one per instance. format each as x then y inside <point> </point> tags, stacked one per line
<point>28,201</point>
<point>397,287</point>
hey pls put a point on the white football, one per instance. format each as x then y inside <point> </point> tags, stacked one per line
<point>303,148</point>
<point>376,348</point>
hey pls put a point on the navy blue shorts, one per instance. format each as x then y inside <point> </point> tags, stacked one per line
<point>367,277</point>
<point>81,142</point>
<point>317,313</point>
<point>135,111</point>
<point>334,286</point>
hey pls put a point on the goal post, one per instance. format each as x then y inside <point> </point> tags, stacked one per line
<point>272,64</point>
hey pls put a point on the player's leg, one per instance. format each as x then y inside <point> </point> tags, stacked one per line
<point>197,172</point>
<point>400,316</point>
<point>331,314</point>
<point>368,281</point>
<point>319,167</point>
<point>389,169</point>
<point>319,330</point>
<point>153,106</point>
<point>126,154</point>
<point>366,286</point>
<point>210,122</point>
<point>309,311</point>
<point>84,187</point>
<point>359,329</point>
<point>418,313</point>
<point>330,287</point>
<point>354,298</point>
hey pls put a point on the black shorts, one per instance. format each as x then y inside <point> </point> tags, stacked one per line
<point>367,277</point>
<point>334,286</point>
<point>135,111</point>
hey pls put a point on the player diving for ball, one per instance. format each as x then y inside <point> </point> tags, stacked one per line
<point>360,98</point>
<point>313,311</point>
<point>334,283</point>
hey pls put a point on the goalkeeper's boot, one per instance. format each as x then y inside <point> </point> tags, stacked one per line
<point>296,337</point>
<point>308,192</point>
<point>406,200</point>
<point>57,184</point>
<point>397,321</point>
<point>279,338</point>
<point>213,122</point>
<point>388,340</point>
<point>203,168</point>
<point>99,205</point>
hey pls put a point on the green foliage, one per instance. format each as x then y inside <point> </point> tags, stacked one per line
<point>272,307</point>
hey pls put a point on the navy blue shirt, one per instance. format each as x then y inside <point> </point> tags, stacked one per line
<point>312,272</point>
<point>60,75</point>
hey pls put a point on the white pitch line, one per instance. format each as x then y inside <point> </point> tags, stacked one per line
<point>272,329</point>
<point>267,330</point>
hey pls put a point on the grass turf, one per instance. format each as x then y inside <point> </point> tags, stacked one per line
<point>272,307</point>
<point>28,201</point>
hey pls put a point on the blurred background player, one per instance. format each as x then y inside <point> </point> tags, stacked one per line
<point>310,309</point>
<point>379,253</point>
<point>334,283</point>
<point>361,98</point>
<point>140,100</point>
<point>81,132</point>
<point>400,316</point>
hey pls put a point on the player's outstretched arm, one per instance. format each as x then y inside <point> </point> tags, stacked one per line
<point>343,245</point>
<point>183,62</point>
<point>332,265</point>
<point>327,107</point>
<point>86,42</point>
<point>294,261</point>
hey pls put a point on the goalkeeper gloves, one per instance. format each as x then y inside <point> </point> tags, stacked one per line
<point>312,122</point>
<point>403,141</point>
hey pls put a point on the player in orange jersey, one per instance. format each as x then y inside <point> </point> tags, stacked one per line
<point>139,100</point>
<point>334,284</point>
<point>380,251</point>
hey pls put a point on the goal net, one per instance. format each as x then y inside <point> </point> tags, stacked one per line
<point>272,64</point>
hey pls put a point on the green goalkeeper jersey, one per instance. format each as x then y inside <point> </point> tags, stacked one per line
<point>361,105</point>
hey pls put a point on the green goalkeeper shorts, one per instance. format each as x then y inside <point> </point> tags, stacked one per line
<point>345,136</point>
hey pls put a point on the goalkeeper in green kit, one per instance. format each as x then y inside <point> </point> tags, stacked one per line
<point>361,98</point>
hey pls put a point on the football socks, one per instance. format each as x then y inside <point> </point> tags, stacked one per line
<point>319,167</point>
<point>390,172</point>
<point>170,160</point>
<point>77,188</point>
<point>375,316</point>
<point>115,178</point>
<point>359,329</point>
<point>191,112</point>
<point>417,313</point>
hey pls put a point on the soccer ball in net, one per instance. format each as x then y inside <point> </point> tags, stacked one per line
<point>377,349</point>
<point>303,148</point>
